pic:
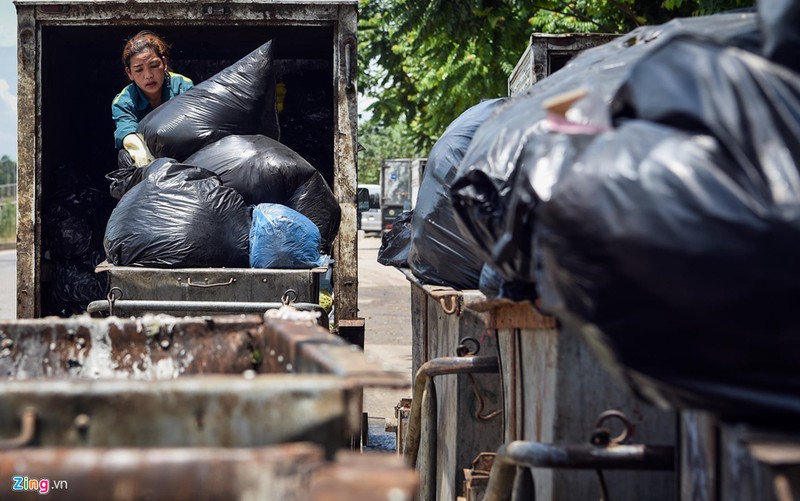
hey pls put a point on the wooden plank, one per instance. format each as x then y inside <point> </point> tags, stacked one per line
<point>757,463</point>
<point>556,389</point>
<point>419,328</point>
<point>698,461</point>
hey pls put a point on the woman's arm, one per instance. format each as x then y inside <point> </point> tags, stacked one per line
<point>122,112</point>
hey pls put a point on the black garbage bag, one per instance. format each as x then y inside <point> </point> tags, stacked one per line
<point>179,216</point>
<point>780,20</point>
<point>263,170</point>
<point>74,214</point>
<point>490,282</point>
<point>671,241</point>
<point>125,176</point>
<point>396,243</point>
<point>315,200</point>
<point>485,187</point>
<point>76,284</point>
<point>238,100</point>
<point>440,253</point>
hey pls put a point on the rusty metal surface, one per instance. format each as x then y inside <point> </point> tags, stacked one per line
<point>201,411</point>
<point>402,413</point>
<point>758,463</point>
<point>298,349</point>
<point>28,166</point>
<point>164,347</point>
<point>345,282</point>
<point>429,370</point>
<point>554,385</point>
<point>275,473</point>
<point>476,479</point>
<point>364,477</point>
<point>443,319</point>
<point>505,314</point>
<point>159,347</point>
<point>89,382</point>
<point>149,347</point>
<point>570,456</point>
<point>124,307</point>
<point>352,330</point>
<point>191,12</point>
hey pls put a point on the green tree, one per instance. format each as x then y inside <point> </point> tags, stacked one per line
<point>426,62</point>
<point>8,170</point>
<point>8,204</point>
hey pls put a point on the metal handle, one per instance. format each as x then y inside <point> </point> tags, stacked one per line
<point>349,48</point>
<point>26,433</point>
<point>453,307</point>
<point>220,284</point>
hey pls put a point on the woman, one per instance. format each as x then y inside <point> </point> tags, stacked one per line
<point>145,60</point>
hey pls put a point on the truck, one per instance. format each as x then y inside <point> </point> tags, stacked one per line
<point>400,179</point>
<point>65,144</point>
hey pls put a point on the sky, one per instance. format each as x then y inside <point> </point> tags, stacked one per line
<point>8,79</point>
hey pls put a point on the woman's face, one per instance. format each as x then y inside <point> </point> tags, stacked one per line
<point>147,71</point>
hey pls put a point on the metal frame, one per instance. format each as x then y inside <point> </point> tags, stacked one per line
<point>421,438</point>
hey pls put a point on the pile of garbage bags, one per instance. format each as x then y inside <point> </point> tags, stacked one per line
<point>439,253</point>
<point>217,158</point>
<point>74,217</point>
<point>179,216</point>
<point>263,170</point>
<point>648,195</point>
<point>238,100</point>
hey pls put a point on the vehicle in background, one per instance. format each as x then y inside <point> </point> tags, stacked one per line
<point>400,178</point>
<point>369,208</point>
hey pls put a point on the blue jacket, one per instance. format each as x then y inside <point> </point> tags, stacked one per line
<point>131,105</point>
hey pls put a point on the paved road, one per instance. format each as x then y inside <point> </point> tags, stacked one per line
<point>8,281</point>
<point>384,301</point>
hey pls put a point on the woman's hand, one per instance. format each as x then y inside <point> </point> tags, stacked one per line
<point>134,144</point>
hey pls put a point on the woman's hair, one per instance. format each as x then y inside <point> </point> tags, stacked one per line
<point>141,42</point>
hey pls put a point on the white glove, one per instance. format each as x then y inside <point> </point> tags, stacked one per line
<point>137,148</point>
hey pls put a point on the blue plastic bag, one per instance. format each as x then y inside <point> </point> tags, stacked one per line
<point>281,237</point>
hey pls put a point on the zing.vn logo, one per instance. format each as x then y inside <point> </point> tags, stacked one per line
<point>42,486</point>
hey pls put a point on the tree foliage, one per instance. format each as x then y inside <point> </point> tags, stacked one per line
<point>425,62</point>
<point>8,206</point>
<point>8,170</point>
